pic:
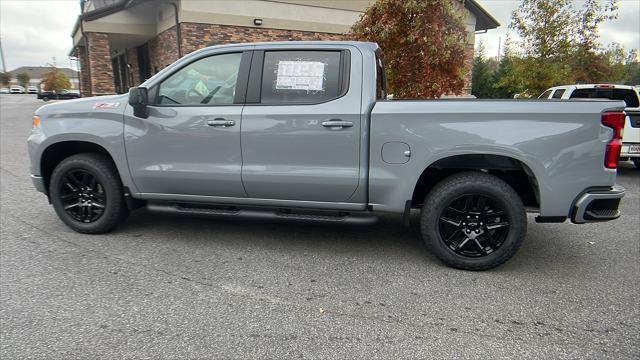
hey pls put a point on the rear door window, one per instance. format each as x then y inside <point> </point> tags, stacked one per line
<point>303,77</point>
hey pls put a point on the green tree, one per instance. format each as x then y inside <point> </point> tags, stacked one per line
<point>55,80</point>
<point>483,75</point>
<point>559,43</point>
<point>589,63</point>
<point>23,79</point>
<point>5,78</point>
<point>507,78</point>
<point>423,44</point>
<point>632,66</point>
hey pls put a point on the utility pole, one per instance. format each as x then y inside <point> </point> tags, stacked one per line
<point>4,69</point>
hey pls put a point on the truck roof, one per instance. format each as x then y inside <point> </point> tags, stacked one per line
<point>360,44</point>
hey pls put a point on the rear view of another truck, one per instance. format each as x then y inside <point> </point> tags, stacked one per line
<point>631,134</point>
<point>630,147</point>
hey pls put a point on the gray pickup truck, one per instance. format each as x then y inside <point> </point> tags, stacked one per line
<point>304,131</point>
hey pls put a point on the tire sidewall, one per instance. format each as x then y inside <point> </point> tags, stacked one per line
<point>112,192</point>
<point>504,196</point>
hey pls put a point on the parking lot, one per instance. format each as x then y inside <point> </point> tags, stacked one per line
<point>173,287</point>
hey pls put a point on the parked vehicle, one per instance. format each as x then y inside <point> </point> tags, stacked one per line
<point>303,131</point>
<point>32,89</point>
<point>628,94</point>
<point>62,95</point>
<point>4,90</point>
<point>16,89</point>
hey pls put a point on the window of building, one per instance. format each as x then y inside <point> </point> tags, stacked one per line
<point>208,81</point>
<point>303,77</point>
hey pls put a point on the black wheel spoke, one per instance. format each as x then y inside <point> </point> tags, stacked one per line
<point>82,195</point>
<point>450,221</point>
<point>482,201</point>
<point>499,225</point>
<point>473,225</point>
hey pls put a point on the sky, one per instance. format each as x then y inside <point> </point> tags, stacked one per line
<point>624,30</point>
<point>34,32</point>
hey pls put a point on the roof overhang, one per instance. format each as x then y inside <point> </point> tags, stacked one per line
<point>484,20</point>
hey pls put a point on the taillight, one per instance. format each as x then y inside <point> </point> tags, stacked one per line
<point>615,121</point>
<point>36,121</point>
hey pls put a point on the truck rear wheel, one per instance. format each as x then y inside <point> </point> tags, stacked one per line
<point>473,221</point>
<point>87,194</point>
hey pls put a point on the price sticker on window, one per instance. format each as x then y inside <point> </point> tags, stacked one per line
<point>300,75</point>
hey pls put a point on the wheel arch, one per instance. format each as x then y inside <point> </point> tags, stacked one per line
<point>512,170</point>
<point>56,152</point>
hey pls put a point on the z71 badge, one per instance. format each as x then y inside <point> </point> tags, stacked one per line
<point>106,105</point>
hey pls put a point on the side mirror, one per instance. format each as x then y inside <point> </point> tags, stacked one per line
<point>139,99</point>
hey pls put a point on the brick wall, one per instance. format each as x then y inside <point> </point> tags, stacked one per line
<point>100,67</point>
<point>163,50</point>
<point>85,80</point>
<point>468,66</point>
<point>196,36</point>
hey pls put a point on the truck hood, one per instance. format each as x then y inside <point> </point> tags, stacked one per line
<point>111,103</point>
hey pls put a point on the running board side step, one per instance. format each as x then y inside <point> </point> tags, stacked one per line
<point>266,214</point>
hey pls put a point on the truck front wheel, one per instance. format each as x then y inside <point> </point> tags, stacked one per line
<point>473,221</point>
<point>87,194</point>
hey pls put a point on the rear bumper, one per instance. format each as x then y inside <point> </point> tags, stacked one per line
<point>597,205</point>
<point>38,183</point>
<point>630,150</point>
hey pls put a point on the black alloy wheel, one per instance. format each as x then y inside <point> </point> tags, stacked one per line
<point>82,195</point>
<point>473,221</point>
<point>473,225</point>
<point>87,193</point>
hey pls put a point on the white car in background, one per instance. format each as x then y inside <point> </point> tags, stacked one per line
<point>631,132</point>
<point>4,91</point>
<point>32,89</point>
<point>16,89</point>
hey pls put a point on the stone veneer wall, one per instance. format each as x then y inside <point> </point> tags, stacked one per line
<point>196,36</point>
<point>85,80</point>
<point>163,50</point>
<point>100,69</point>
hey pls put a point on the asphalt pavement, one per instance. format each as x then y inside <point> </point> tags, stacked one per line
<point>181,288</point>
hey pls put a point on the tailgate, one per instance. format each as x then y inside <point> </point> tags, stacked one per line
<point>632,126</point>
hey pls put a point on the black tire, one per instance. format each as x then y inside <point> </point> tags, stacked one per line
<point>446,208</point>
<point>45,98</point>
<point>98,184</point>
<point>636,163</point>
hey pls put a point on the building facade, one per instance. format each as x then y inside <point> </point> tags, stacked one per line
<point>120,43</point>
<point>37,73</point>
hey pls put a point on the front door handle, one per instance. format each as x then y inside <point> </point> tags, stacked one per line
<point>220,122</point>
<point>337,124</point>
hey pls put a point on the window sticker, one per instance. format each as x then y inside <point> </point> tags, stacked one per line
<point>300,75</point>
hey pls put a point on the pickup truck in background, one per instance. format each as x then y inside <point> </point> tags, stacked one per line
<point>58,95</point>
<point>303,131</point>
<point>626,93</point>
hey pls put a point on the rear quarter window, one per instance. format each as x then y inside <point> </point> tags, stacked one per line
<point>545,95</point>
<point>558,94</point>
<point>629,96</point>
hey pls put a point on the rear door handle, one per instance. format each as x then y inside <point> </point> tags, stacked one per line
<point>337,124</point>
<point>220,122</point>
